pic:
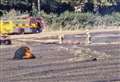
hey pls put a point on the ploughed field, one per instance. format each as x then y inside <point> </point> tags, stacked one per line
<point>97,62</point>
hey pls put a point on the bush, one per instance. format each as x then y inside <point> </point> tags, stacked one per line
<point>73,20</point>
<point>67,20</point>
<point>1,13</point>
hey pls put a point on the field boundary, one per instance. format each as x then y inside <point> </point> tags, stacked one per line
<point>56,33</point>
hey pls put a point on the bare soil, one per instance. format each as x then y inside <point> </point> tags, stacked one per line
<point>65,62</point>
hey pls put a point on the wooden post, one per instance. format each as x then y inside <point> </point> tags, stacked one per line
<point>61,36</point>
<point>88,38</point>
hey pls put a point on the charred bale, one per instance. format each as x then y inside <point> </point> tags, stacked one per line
<point>23,53</point>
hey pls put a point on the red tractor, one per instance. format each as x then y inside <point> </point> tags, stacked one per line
<point>38,21</point>
<point>29,25</point>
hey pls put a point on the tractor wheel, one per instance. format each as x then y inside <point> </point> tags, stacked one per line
<point>21,31</point>
<point>7,42</point>
<point>34,30</point>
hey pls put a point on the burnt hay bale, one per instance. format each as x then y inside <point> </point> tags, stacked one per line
<point>23,53</point>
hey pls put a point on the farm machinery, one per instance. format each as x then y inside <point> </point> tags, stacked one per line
<point>4,39</point>
<point>22,25</point>
<point>19,25</point>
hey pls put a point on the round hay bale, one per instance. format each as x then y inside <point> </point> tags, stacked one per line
<point>23,53</point>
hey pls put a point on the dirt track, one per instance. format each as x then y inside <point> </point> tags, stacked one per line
<point>54,64</point>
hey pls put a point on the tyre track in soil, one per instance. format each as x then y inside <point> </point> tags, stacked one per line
<point>53,67</point>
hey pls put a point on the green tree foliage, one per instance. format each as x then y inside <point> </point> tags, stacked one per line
<point>74,20</point>
<point>101,2</point>
<point>67,1</point>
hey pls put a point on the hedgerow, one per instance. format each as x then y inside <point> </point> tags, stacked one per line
<point>73,20</point>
